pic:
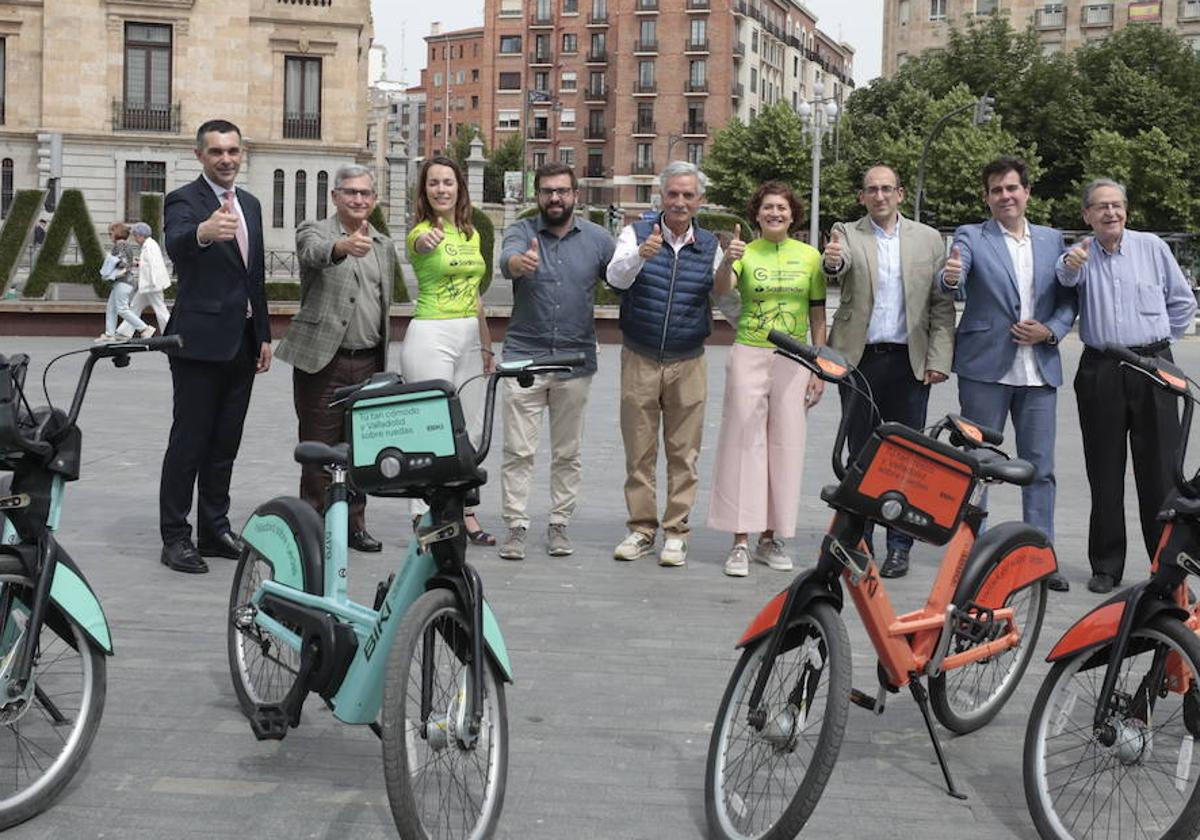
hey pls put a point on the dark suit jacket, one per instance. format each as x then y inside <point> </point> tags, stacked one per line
<point>214,283</point>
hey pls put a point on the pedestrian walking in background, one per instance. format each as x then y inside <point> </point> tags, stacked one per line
<point>152,279</point>
<point>124,280</point>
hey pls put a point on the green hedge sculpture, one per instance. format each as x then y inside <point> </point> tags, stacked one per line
<point>399,290</point>
<point>71,216</point>
<point>16,230</point>
<point>150,211</point>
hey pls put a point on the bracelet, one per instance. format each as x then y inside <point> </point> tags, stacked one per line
<point>486,350</point>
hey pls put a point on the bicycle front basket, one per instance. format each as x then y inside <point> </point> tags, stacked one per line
<point>931,482</point>
<point>406,438</point>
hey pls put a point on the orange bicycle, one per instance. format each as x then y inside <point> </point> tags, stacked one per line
<point>783,715</point>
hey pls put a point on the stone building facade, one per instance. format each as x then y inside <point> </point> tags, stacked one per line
<point>106,95</point>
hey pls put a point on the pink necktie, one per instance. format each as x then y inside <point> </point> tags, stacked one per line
<point>242,243</point>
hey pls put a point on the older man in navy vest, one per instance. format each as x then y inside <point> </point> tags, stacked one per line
<point>664,268</point>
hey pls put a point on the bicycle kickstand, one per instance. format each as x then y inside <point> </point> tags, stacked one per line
<point>922,697</point>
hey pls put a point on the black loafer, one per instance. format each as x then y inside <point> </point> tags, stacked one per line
<point>1101,583</point>
<point>1058,583</point>
<point>226,545</point>
<point>362,541</point>
<point>182,556</point>
<point>895,566</point>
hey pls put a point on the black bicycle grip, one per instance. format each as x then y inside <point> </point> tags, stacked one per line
<point>797,348</point>
<point>571,360</point>
<point>162,342</point>
<point>1124,354</point>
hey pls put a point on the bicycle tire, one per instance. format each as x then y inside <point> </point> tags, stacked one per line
<point>969,697</point>
<point>1146,784</point>
<point>419,790</point>
<point>778,811</point>
<point>262,668</point>
<point>37,757</point>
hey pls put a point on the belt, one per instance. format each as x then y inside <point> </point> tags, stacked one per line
<point>1151,349</point>
<point>885,348</point>
<point>346,352</point>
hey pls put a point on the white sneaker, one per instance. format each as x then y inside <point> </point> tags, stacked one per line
<point>146,333</point>
<point>105,338</point>
<point>674,552</point>
<point>635,545</point>
<point>771,553</point>
<point>737,564</point>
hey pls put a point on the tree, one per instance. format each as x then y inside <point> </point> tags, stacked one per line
<point>506,157</point>
<point>1164,198</point>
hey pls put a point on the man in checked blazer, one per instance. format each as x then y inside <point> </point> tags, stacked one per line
<point>1016,312</point>
<point>892,320</point>
<point>213,232</point>
<point>340,335</point>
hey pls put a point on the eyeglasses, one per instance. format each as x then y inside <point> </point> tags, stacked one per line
<point>348,193</point>
<point>555,192</point>
<point>1105,206</point>
<point>886,189</point>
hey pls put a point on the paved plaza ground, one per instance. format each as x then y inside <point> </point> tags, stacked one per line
<point>619,666</point>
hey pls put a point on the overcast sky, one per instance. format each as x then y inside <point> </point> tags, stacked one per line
<point>400,25</point>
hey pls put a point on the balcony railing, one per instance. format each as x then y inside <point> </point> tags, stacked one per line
<point>1189,9</point>
<point>594,172</point>
<point>695,127</point>
<point>302,126</point>
<point>739,49</point>
<point>645,87</point>
<point>696,86</point>
<point>595,95</point>
<point>739,90</point>
<point>541,57</point>
<point>595,132</point>
<point>131,117</point>
<point>1050,17</point>
<point>696,46</point>
<point>646,6</point>
<point>1097,15</point>
<point>646,46</point>
<point>644,167</point>
<point>541,18</point>
<point>538,133</point>
<point>598,18</point>
<point>597,56</point>
<point>644,127</point>
<point>698,5</point>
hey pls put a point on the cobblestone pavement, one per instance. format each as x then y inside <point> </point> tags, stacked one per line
<point>619,666</point>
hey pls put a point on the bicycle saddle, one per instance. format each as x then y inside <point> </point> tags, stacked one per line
<point>322,454</point>
<point>1009,470</point>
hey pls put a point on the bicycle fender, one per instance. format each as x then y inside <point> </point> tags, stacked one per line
<point>70,593</point>
<point>1103,624</point>
<point>493,639</point>
<point>1003,560</point>
<point>808,588</point>
<point>289,533</point>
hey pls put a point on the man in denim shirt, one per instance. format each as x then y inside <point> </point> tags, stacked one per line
<point>554,261</point>
<point>1131,292</point>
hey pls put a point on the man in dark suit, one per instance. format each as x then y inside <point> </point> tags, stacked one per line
<point>213,232</point>
<point>1006,348</point>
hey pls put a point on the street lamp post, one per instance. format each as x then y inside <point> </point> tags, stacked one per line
<point>819,115</point>
<point>984,111</point>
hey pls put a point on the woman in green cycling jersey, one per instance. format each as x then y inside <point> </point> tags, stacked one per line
<point>760,450</point>
<point>448,337</point>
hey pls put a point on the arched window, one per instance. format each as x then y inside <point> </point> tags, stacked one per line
<point>301,196</point>
<point>322,194</point>
<point>277,202</point>
<point>6,187</point>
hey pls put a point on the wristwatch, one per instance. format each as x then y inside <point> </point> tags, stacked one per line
<point>1052,340</point>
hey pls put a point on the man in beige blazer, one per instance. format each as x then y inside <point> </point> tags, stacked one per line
<point>340,335</point>
<point>893,321</point>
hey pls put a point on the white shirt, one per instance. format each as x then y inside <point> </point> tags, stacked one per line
<point>888,324</point>
<point>1024,370</point>
<point>627,263</point>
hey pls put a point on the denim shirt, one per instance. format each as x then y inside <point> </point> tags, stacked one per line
<point>553,308</point>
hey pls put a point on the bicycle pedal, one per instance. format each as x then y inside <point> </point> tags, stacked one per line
<point>381,591</point>
<point>861,698</point>
<point>269,722</point>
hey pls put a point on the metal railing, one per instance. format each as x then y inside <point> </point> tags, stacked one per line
<point>129,117</point>
<point>696,86</point>
<point>302,126</point>
<point>696,46</point>
<point>644,167</point>
<point>644,127</point>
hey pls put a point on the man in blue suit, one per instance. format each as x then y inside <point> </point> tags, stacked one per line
<point>1006,346</point>
<point>213,232</point>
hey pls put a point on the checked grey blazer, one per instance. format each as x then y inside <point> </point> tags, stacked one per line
<point>327,295</point>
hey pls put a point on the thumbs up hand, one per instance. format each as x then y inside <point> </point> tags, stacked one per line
<point>1078,255</point>
<point>432,238</point>
<point>357,244</point>
<point>652,245</point>
<point>952,274</point>
<point>737,248</point>
<point>525,263</point>
<point>832,258</point>
<point>221,226</point>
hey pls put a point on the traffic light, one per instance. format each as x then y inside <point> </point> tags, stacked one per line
<point>984,109</point>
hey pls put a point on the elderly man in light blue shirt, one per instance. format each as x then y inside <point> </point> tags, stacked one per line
<point>1132,293</point>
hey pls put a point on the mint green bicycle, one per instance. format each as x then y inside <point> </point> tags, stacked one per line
<point>53,634</point>
<point>425,666</point>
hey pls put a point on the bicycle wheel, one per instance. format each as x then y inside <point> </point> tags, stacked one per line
<point>764,782</point>
<point>968,697</point>
<point>263,668</point>
<point>441,783</point>
<point>1143,783</point>
<point>48,730</point>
